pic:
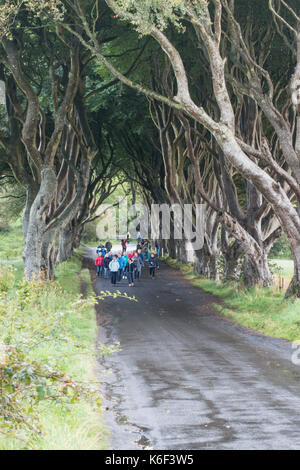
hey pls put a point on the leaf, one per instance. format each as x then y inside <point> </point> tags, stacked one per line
<point>40,392</point>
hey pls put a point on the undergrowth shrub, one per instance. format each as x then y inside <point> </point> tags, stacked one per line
<point>28,321</point>
<point>31,317</point>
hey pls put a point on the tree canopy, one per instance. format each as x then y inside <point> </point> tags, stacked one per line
<point>195,101</point>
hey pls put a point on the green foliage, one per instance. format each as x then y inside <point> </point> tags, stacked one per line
<point>158,13</point>
<point>11,244</point>
<point>12,12</point>
<point>29,321</point>
<point>104,294</point>
<point>146,13</point>
<point>49,397</point>
<point>12,202</point>
<point>281,248</point>
<point>7,279</point>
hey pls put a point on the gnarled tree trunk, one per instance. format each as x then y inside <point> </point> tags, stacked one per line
<point>294,287</point>
<point>36,224</point>
<point>257,271</point>
<point>48,251</point>
<point>233,257</point>
<point>201,266</point>
<point>31,193</point>
<point>66,243</point>
<point>214,273</point>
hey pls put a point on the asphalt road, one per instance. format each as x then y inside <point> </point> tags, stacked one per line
<point>188,379</point>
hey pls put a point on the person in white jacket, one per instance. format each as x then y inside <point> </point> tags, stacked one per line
<point>114,269</point>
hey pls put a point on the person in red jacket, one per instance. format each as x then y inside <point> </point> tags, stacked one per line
<point>99,264</point>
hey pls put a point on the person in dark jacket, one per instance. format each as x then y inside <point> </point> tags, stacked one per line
<point>108,246</point>
<point>124,246</point>
<point>138,266</point>
<point>153,264</point>
<point>106,262</point>
<point>129,270</point>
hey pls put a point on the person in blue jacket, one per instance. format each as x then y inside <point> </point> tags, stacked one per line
<point>101,250</point>
<point>124,262</point>
<point>141,256</point>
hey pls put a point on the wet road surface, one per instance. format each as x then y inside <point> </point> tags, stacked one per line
<point>188,379</point>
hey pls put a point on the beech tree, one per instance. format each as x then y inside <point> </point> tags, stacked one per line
<point>223,91</point>
<point>46,212</point>
<point>195,171</point>
<point>48,143</point>
<point>221,32</point>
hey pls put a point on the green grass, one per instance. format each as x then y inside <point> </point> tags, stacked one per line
<point>80,425</point>
<point>11,244</point>
<point>262,309</point>
<point>11,248</point>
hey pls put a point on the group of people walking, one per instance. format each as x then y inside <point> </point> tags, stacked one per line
<point>126,265</point>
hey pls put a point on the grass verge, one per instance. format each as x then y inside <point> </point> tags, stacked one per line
<point>262,309</point>
<point>69,346</point>
<point>80,426</point>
